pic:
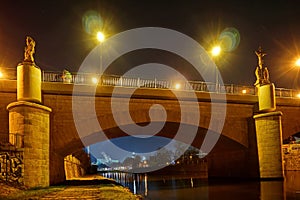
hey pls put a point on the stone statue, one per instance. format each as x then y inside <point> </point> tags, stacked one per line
<point>29,50</point>
<point>261,72</point>
<point>260,56</point>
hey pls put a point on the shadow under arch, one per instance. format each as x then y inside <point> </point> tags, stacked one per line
<point>169,131</point>
<point>228,157</point>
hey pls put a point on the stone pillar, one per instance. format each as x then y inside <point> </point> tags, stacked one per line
<point>267,124</point>
<point>32,122</point>
<point>269,144</point>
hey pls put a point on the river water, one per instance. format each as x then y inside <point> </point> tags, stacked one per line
<point>156,187</point>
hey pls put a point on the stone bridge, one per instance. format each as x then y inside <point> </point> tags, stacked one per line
<point>235,153</point>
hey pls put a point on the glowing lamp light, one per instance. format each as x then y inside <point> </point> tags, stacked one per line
<point>177,86</point>
<point>1,75</point>
<point>297,63</point>
<point>100,36</point>
<point>216,51</point>
<point>298,95</point>
<point>94,80</point>
<point>244,91</point>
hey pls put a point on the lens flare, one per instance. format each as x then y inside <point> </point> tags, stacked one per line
<point>230,39</point>
<point>92,22</point>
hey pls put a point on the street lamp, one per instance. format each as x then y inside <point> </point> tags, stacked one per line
<point>100,38</point>
<point>216,51</point>
<point>177,86</point>
<point>297,63</point>
<point>94,80</point>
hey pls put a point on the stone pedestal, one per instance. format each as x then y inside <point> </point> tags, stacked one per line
<point>29,83</point>
<point>266,97</point>
<point>269,144</point>
<point>31,121</point>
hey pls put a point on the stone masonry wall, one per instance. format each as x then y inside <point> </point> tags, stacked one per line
<point>5,99</point>
<point>292,157</point>
<point>77,164</point>
<point>73,167</point>
<point>32,121</point>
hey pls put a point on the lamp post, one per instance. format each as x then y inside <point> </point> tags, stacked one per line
<point>215,52</point>
<point>100,38</point>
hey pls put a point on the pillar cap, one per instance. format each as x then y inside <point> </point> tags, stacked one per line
<point>28,104</point>
<point>268,114</point>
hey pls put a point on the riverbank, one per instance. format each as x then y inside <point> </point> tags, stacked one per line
<point>89,187</point>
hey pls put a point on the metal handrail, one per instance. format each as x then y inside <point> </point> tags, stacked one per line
<point>123,81</point>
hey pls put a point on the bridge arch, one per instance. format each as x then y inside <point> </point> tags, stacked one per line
<point>227,158</point>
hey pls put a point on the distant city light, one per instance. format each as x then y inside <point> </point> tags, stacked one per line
<point>177,86</point>
<point>100,36</point>
<point>244,91</point>
<point>216,50</point>
<point>94,80</point>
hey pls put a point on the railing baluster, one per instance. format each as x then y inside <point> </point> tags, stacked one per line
<point>85,78</point>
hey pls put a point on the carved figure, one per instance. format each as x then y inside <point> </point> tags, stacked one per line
<point>29,50</point>
<point>266,75</point>
<point>261,72</point>
<point>260,55</point>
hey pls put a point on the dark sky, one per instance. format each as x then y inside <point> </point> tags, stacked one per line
<point>62,42</point>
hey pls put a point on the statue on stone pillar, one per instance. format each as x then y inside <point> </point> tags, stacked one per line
<point>29,50</point>
<point>261,72</point>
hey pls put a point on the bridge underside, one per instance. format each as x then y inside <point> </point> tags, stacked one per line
<point>228,158</point>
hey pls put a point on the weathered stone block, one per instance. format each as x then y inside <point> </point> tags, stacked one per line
<point>266,98</point>
<point>269,140</point>
<point>29,83</point>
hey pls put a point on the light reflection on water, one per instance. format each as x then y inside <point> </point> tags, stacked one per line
<point>171,187</point>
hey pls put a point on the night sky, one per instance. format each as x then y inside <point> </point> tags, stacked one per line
<point>63,42</point>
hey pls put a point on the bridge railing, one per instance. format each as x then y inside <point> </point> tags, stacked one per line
<point>122,81</point>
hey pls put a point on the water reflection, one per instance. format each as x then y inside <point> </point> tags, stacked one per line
<point>292,184</point>
<point>272,190</point>
<point>179,187</point>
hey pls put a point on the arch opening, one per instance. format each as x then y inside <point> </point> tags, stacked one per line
<point>141,152</point>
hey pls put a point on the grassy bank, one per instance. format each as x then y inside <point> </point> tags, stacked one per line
<point>74,191</point>
<point>33,193</point>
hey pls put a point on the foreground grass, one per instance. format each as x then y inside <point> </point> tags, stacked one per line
<point>33,193</point>
<point>106,191</point>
